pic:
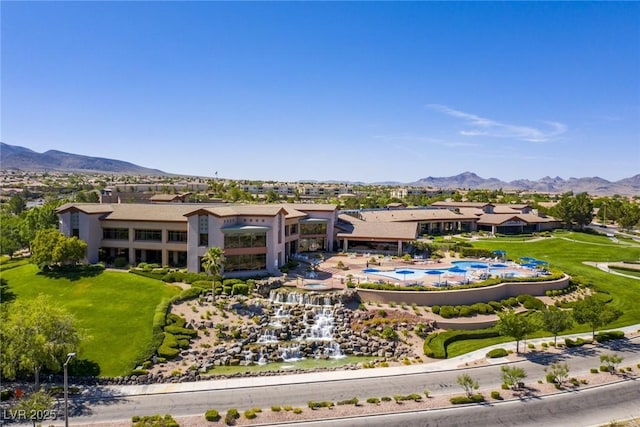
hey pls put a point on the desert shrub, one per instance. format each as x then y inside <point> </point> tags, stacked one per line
<point>276,408</point>
<point>385,399</point>
<point>497,352</point>
<point>435,309</point>
<point>352,401</point>
<point>231,416</point>
<point>496,395</point>
<point>212,415</point>
<point>297,410</point>
<point>319,404</point>
<point>594,370</point>
<point>373,400</point>
<point>154,420</point>
<point>458,400</point>
<point>250,414</point>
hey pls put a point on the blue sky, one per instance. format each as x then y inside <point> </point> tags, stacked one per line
<point>357,91</point>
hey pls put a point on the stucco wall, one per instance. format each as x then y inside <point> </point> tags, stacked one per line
<point>463,296</point>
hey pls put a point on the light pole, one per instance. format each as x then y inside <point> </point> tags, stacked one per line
<point>66,389</point>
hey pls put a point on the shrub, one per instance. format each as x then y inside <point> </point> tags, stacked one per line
<point>240,289</point>
<point>497,352</point>
<point>610,335</point>
<point>458,400</point>
<point>594,370</point>
<point>352,401</point>
<point>385,399</point>
<point>153,420</point>
<point>297,410</point>
<point>496,395</point>
<point>6,395</point>
<point>323,404</point>
<point>212,415</point>
<point>435,309</point>
<point>287,408</point>
<point>373,400</point>
<point>231,416</point>
<point>120,262</point>
<point>250,414</point>
<point>276,408</point>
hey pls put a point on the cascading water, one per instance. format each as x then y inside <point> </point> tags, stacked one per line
<point>318,316</point>
<point>290,353</point>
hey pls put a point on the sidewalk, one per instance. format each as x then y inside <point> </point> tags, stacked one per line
<point>261,381</point>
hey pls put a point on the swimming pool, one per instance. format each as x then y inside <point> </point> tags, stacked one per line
<point>410,274</point>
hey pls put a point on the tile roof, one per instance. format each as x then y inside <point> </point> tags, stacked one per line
<point>386,230</point>
<point>403,215</point>
<point>497,219</point>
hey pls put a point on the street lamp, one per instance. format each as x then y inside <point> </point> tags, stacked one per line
<point>66,389</point>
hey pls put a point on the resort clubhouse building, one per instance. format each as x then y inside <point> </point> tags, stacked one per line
<point>260,238</point>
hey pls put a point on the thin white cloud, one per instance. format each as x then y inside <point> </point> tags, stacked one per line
<point>423,140</point>
<point>480,126</point>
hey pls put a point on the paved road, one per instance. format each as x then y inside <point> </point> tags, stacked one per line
<point>296,390</point>
<point>597,406</point>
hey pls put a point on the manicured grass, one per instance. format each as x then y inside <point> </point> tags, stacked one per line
<point>567,251</point>
<point>115,309</point>
<point>635,273</point>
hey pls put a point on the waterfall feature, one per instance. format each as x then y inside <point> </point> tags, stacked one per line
<point>302,324</point>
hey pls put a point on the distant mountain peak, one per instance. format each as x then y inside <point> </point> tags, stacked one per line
<point>21,158</point>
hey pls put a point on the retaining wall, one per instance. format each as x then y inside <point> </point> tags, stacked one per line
<point>463,296</point>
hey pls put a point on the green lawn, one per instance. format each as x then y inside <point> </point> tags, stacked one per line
<point>115,309</point>
<point>567,251</point>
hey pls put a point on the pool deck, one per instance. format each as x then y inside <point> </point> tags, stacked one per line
<point>335,278</point>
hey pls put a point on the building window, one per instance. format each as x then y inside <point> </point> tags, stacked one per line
<point>203,230</point>
<point>245,240</point>
<point>149,235</point>
<point>177,236</point>
<point>115,233</point>
<point>245,262</point>
<point>313,228</point>
<point>294,228</point>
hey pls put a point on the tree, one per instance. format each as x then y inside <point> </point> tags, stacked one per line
<point>213,263</point>
<point>572,210</point>
<point>594,312</point>
<point>16,204</point>
<point>512,375</point>
<point>630,216</point>
<point>50,247</point>
<point>38,406</point>
<point>36,334</point>
<point>611,360</point>
<point>582,210</point>
<point>516,326</point>
<point>557,373</point>
<point>468,384</point>
<point>555,321</point>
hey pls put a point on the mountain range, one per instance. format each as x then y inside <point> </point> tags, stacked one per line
<point>592,185</point>
<point>15,157</point>
<point>20,158</point>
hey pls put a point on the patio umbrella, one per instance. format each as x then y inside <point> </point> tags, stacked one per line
<point>530,265</point>
<point>404,273</point>
<point>500,253</point>
<point>527,259</point>
<point>498,265</point>
<point>478,265</point>
<point>457,270</point>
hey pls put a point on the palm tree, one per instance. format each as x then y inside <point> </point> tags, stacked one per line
<point>212,262</point>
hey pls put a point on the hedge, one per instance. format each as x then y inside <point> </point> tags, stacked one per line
<point>476,398</point>
<point>610,335</point>
<point>497,352</point>
<point>440,352</point>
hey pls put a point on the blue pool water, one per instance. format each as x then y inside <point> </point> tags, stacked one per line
<point>409,274</point>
